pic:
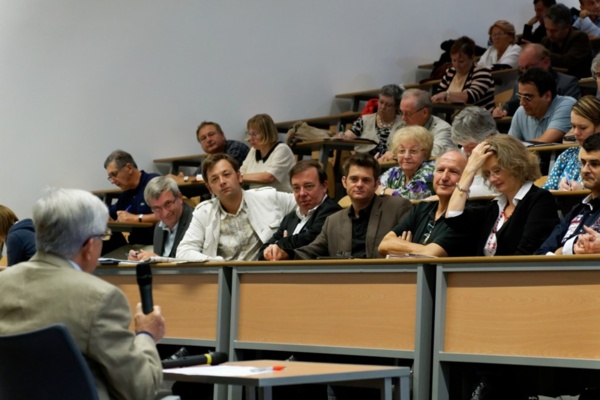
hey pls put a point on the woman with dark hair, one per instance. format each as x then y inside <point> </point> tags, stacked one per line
<point>517,221</point>
<point>466,82</point>
<point>380,125</point>
<point>19,236</point>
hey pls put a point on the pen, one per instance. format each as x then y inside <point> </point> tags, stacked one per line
<point>268,369</point>
<point>128,208</point>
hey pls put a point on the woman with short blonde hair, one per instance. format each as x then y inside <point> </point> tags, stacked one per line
<point>503,51</point>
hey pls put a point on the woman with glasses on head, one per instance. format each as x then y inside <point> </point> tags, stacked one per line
<point>585,121</point>
<point>413,177</point>
<point>269,161</point>
<point>379,125</point>
<point>503,53</point>
<point>19,236</point>
<point>466,82</point>
<point>517,221</point>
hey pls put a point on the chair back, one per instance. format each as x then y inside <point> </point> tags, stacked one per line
<point>42,365</point>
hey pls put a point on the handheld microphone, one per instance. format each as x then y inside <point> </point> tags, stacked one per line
<point>212,358</point>
<point>144,280</point>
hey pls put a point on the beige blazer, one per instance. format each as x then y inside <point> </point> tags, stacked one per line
<point>48,289</point>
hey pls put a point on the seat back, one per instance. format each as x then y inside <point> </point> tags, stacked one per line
<point>44,364</point>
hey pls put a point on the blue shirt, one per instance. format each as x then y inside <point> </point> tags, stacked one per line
<point>558,116</point>
<point>567,165</point>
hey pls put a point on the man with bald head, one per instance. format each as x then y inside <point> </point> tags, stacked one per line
<point>424,231</point>
<point>537,56</point>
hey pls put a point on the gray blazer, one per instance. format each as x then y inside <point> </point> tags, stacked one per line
<point>159,233</point>
<point>336,236</point>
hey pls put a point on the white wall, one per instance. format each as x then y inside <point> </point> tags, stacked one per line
<point>79,79</point>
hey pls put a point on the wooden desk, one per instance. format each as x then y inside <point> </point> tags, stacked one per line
<point>298,373</point>
<point>378,308</point>
<point>195,300</point>
<point>183,161</point>
<point>555,150</point>
<point>329,122</point>
<point>128,226</point>
<point>107,195</point>
<point>319,149</point>
<point>503,124</point>
<point>534,310</point>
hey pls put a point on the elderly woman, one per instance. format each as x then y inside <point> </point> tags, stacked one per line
<point>503,50</point>
<point>413,177</point>
<point>585,121</point>
<point>466,82</point>
<point>470,127</point>
<point>521,217</point>
<point>269,161</point>
<point>19,236</point>
<point>596,73</point>
<point>378,126</point>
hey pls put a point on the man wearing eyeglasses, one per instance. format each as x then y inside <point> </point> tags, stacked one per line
<point>543,115</point>
<point>424,231</point>
<point>57,286</point>
<point>166,202</point>
<point>535,55</point>
<point>131,206</point>
<point>416,108</point>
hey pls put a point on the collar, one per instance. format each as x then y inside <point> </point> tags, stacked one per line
<point>311,211</point>
<point>224,213</point>
<point>74,264</point>
<point>164,227</point>
<point>428,123</point>
<point>502,201</point>
<point>591,203</point>
<point>365,211</point>
<point>258,155</point>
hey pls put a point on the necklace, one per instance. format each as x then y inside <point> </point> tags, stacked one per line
<point>384,125</point>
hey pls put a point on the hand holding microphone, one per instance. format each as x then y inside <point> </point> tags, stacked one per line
<point>148,318</point>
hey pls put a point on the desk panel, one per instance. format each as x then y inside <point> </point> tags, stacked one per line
<point>535,314</point>
<point>352,310</point>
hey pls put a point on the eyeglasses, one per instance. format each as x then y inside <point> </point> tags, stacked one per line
<point>494,172</point>
<point>525,97</point>
<point>409,115</point>
<point>166,206</point>
<point>253,134</point>
<point>497,34</point>
<point>429,229</point>
<point>103,236</point>
<point>411,152</point>
<point>112,175</point>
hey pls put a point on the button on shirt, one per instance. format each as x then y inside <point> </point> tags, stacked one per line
<point>359,231</point>
<point>237,239</point>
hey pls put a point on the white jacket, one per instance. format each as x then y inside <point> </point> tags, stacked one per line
<point>266,209</point>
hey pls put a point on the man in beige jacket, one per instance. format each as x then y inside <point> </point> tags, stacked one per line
<point>56,286</point>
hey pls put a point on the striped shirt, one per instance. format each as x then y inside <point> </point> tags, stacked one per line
<point>479,86</point>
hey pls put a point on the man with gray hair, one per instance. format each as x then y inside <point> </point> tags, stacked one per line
<point>569,48</point>
<point>596,73</point>
<point>416,109</point>
<point>166,202</point>
<point>57,286</point>
<point>470,127</point>
<point>130,206</point>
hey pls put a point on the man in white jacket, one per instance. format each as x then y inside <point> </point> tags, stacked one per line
<point>236,223</point>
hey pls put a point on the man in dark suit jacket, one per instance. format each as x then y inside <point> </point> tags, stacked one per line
<point>357,231</point>
<point>569,48</point>
<point>166,202</point>
<point>301,226</point>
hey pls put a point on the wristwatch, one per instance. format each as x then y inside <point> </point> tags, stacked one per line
<point>186,178</point>
<point>140,217</point>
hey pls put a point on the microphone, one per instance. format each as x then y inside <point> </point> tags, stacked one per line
<point>144,280</point>
<point>212,358</point>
